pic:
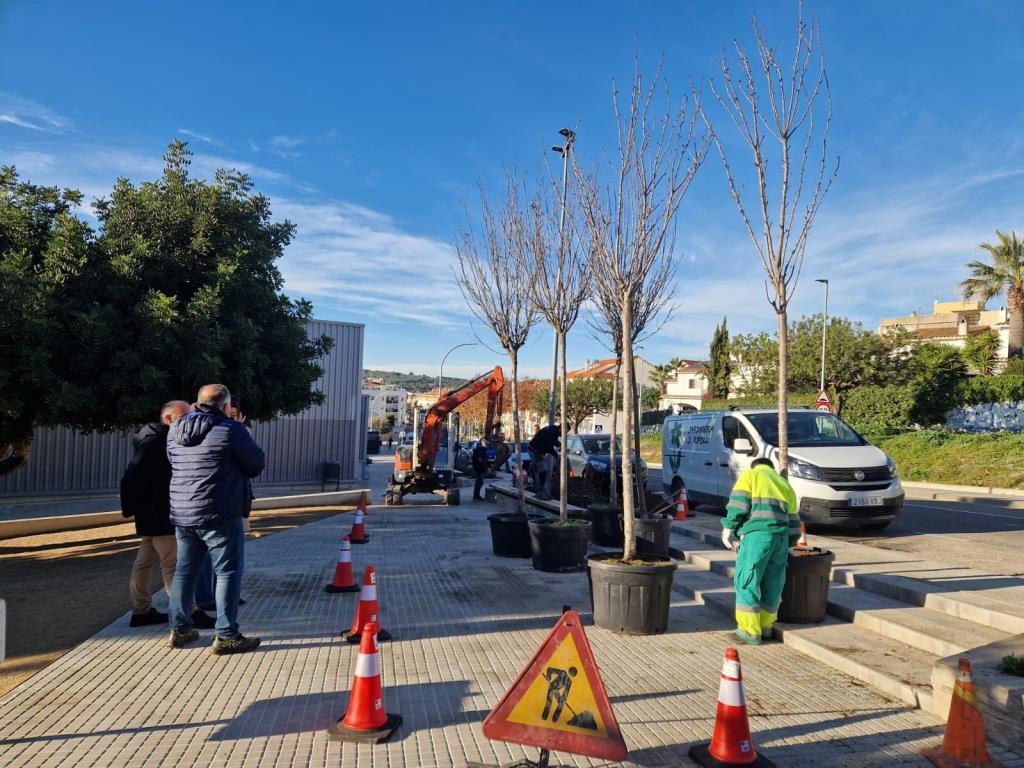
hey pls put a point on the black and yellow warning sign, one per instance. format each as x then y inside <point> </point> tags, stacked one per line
<point>559,702</point>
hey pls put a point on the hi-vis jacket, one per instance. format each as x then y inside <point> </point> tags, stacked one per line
<point>762,501</point>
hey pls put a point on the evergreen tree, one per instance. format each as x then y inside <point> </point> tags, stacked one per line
<point>719,367</point>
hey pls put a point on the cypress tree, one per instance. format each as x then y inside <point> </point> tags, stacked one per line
<point>719,368</point>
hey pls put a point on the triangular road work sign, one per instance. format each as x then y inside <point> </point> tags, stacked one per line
<point>558,702</point>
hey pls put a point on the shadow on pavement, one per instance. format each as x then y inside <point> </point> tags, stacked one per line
<point>315,711</point>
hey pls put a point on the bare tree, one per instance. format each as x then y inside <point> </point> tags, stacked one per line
<point>488,272</point>
<point>629,210</point>
<point>560,283</point>
<point>783,113</point>
<point>606,323</point>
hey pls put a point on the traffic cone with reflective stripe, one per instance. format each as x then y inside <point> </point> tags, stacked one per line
<point>367,610</point>
<point>366,720</point>
<point>343,581</point>
<point>731,743</point>
<point>361,506</point>
<point>682,505</point>
<point>964,743</point>
<point>802,543</point>
<point>358,534</point>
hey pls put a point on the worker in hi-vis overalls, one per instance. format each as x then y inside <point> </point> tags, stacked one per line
<point>762,522</point>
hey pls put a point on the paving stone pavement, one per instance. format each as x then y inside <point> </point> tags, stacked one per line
<point>464,623</point>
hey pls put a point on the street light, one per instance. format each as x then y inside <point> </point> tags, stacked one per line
<point>824,327</point>
<point>570,137</point>
<point>441,372</point>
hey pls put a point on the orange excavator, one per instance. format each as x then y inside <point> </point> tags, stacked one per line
<point>415,470</point>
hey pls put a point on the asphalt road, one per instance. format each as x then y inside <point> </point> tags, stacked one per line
<point>988,536</point>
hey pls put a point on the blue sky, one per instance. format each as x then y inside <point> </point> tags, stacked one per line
<point>369,126</point>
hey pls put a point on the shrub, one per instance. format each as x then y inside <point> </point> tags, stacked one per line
<point>875,408</point>
<point>990,389</point>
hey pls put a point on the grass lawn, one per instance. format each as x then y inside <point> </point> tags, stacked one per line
<point>950,457</point>
<point>929,456</point>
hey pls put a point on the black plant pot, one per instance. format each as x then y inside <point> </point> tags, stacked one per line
<point>607,531</point>
<point>559,548</point>
<point>630,599</point>
<point>651,535</point>
<point>584,515</point>
<point>805,594</point>
<point>510,533</point>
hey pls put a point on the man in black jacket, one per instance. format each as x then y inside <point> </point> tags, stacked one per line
<point>145,496</point>
<point>480,464</point>
<point>213,458</point>
<point>543,449</point>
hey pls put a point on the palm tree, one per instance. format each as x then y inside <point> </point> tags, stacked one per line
<point>1005,273</point>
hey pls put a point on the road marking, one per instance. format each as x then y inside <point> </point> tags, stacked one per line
<point>967,512</point>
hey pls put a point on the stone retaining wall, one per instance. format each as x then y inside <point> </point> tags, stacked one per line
<point>987,417</point>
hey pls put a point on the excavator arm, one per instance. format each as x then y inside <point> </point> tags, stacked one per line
<point>493,382</point>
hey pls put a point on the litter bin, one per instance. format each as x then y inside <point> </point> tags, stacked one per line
<point>330,473</point>
<point>805,595</point>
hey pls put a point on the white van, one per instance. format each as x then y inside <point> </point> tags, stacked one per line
<point>838,476</point>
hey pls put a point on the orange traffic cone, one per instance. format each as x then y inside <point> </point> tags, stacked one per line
<point>343,581</point>
<point>358,534</point>
<point>367,610</point>
<point>964,743</point>
<point>682,505</point>
<point>361,506</point>
<point>366,720</point>
<point>731,743</point>
<point>802,543</point>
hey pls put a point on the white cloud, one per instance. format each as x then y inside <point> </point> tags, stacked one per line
<point>288,142</point>
<point>352,259</point>
<point>25,113</point>
<point>199,137</point>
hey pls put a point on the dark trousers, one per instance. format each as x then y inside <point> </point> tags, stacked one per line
<point>480,474</point>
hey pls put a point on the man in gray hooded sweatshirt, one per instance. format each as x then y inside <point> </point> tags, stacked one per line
<point>212,459</point>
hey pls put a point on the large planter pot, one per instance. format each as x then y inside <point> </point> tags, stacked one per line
<point>607,531</point>
<point>651,535</point>
<point>805,595</point>
<point>630,599</point>
<point>510,533</point>
<point>584,515</point>
<point>559,548</point>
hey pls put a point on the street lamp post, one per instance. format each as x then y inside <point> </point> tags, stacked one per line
<point>824,331</point>
<point>570,137</point>
<point>441,372</point>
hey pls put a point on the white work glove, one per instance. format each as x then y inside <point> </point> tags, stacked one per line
<point>730,539</point>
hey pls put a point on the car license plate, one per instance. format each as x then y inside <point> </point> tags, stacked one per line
<point>866,501</point>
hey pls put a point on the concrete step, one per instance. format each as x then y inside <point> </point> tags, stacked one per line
<point>988,600</point>
<point>970,605</point>
<point>895,668</point>
<point>921,628</point>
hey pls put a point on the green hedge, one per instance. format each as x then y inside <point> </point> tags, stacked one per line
<point>874,408</point>
<point>925,403</point>
<point>989,389</point>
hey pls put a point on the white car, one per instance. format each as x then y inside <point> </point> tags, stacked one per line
<point>838,476</point>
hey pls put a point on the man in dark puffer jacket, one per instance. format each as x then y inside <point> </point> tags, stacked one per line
<point>212,458</point>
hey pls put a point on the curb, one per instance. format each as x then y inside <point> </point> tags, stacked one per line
<point>32,526</point>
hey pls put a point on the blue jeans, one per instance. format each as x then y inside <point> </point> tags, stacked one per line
<point>224,543</point>
<point>204,585</point>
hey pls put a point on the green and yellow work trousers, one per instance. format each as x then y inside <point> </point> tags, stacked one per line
<point>759,579</point>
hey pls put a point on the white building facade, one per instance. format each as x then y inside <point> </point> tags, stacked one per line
<point>387,401</point>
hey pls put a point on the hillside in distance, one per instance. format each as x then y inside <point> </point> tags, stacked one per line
<point>412,382</point>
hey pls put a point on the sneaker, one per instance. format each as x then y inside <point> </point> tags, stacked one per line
<point>202,620</point>
<point>748,639</point>
<point>241,644</point>
<point>181,639</point>
<point>150,617</point>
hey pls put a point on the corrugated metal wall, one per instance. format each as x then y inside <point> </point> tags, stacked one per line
<point>296,446</point>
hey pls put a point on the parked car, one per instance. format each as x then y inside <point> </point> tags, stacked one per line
<point>524,448</point>
<point>588,456</point>
<point>838,476</point>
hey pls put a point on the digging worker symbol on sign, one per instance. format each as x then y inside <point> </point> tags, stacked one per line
<point>559,683</point>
